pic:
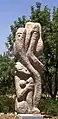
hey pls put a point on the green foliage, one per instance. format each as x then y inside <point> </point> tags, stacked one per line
<point>6,74</point>
<point>46,106</point>
<point>6,104</point>
<point>49,106</point>
<point>50,38</point>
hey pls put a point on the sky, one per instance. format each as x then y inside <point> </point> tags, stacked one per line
<point>10,10</point>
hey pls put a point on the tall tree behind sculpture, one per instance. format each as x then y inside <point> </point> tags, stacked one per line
<point>26,46</point>
<point>50,39</point>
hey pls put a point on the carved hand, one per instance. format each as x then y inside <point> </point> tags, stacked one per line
<point>29,86</point>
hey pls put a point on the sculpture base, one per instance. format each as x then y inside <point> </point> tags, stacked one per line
<point>30,116</point>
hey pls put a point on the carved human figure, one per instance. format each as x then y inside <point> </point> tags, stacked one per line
<point>27,48</point>
<point>24,89</point>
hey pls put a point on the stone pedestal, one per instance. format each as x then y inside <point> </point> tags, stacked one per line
<point>30,116</point>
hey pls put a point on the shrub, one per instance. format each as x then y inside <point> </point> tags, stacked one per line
<point>6,104</point>
<point>49,106</point>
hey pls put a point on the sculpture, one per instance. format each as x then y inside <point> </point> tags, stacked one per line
<point>27,48</point>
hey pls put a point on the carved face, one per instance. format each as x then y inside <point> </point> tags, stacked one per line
<point>20,32</point>
<point>21,68</point>
<point>31,26</point>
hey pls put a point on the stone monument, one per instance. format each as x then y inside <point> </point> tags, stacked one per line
<point>28,47</point>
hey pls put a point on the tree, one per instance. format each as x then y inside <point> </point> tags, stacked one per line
<point>50,39</point>
<point>6,75</point>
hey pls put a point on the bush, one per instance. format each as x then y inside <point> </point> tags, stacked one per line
<point>49,106</point>
<point>6,104</point>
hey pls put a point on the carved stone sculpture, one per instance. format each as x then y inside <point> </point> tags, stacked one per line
<point>28,47</point>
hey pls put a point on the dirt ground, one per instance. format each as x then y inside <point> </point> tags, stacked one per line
<point>9,116</point>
